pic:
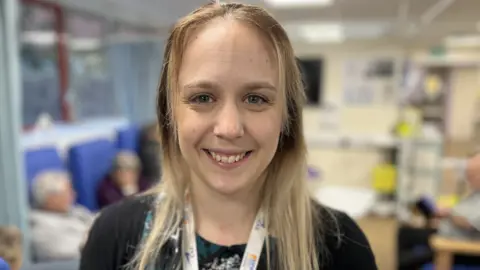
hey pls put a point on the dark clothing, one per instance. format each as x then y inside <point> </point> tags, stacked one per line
<point>118,230</point>
<point>414,250</point>
<point>109,193</point>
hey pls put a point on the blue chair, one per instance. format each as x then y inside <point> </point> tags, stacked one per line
<point>39,160</point>
<point>89,163</point>
<point>455,267</point>
<point>4,265</point>
<point>128,139</point>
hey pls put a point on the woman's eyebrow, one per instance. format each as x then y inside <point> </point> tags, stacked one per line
<point>260,85</point>
<point>253,85</point>
<point>201,84</point>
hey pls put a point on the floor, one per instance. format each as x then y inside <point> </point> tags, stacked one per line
<point>381,233</point>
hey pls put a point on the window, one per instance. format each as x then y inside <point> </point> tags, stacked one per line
<point>39,63</point>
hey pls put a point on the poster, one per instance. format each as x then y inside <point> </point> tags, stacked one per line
<point>369,81</point>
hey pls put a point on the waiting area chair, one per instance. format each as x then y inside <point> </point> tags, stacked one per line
<point>61,265</point>
<point>3,265</point>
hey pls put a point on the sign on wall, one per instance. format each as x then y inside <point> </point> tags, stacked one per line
<point>369,81</point>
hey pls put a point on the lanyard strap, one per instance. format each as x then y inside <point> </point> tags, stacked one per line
<point>252,252</point>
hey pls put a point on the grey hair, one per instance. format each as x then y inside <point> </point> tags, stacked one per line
<point>126,159</point>
<point>46,183</point>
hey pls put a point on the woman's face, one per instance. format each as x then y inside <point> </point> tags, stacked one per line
<point>229,111</point>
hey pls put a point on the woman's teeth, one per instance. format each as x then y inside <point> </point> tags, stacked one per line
<point>227,159</point>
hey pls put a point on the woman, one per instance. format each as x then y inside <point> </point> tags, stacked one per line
<point>124,180</point>
<point>234,161</point>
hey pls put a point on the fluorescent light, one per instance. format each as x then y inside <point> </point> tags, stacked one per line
<point>85,44</point>
<point>365,30</point>
<point>463,41</point>
<point>41,38</point>
<point>298,3</point>
<point>322,32</point>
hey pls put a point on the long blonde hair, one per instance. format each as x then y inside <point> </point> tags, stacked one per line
<point>291,217</point>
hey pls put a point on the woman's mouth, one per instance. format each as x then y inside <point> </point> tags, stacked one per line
<point>227,158</point>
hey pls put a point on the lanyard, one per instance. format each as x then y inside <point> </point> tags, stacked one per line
<point>252,252</point>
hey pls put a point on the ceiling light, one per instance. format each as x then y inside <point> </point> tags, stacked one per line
<point>322,32</point>
<point>365,30</point>
<point>463,41</point>
<point>41,38</point>
<point>298,3</point>
<point>85,44</point>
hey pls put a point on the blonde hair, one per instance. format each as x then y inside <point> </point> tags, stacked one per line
<point>11,246</point>
<point>290,214</point>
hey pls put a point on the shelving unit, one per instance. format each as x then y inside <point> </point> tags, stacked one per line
<point>419,171</point>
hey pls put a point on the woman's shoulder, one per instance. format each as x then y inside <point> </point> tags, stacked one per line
<point>134,208</point>
<point>347,247</point>
<point>115,234</point>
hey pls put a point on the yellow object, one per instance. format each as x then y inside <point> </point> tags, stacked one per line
<point>405,130</point>
<point>385,178</point>
<point>433,85</point>
<point>447,201</point>
<point>410,123</point>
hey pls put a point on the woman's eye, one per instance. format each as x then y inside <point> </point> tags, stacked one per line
<point>254,99</point>
<point>202,99</point>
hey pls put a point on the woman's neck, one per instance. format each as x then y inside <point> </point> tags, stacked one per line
<point>224,220</point>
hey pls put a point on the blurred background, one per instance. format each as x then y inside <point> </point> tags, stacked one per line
<point>393,88</point>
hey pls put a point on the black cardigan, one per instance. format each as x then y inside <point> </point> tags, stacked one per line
<point>114,237</point>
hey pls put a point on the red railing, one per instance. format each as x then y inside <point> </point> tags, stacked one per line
<point>62,52</point>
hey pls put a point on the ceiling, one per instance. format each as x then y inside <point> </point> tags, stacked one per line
<point>417,20</point>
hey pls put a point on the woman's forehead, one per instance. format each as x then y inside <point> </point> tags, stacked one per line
<point>228,48</point>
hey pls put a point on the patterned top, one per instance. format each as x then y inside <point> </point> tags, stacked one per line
<point>211,256</point>
<point>214,257</point>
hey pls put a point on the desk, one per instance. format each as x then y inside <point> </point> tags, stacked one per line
<point>446,248</point>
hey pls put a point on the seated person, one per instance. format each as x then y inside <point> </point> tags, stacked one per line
<point>58,227</point>
<point>461,222</point>
<point>11,247</point>
<point>149,153</point>
<point>124,180</point>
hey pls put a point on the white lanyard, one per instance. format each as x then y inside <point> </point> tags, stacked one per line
<point>252,252</point>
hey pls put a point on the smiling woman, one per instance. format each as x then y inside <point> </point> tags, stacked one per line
<point>233,192</point>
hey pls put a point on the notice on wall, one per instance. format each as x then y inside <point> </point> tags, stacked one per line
<point>369,81</point>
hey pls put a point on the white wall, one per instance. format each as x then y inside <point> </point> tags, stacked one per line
<point>465,91</point>
<point>353,167</point>
<point>371,119</point>
<point>348,167</point>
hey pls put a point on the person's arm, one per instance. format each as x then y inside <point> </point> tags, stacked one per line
<point>353,251</point>
<point>467,217</point>
<point>462,222</point>
<point>472,221</point>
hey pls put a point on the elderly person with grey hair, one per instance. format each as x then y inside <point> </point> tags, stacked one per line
<point>58,226</point>
<point>123,180</point>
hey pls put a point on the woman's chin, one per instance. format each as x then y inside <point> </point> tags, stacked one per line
<point>228,187</point>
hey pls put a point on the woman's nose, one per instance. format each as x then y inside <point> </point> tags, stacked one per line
<point>229,124</point>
